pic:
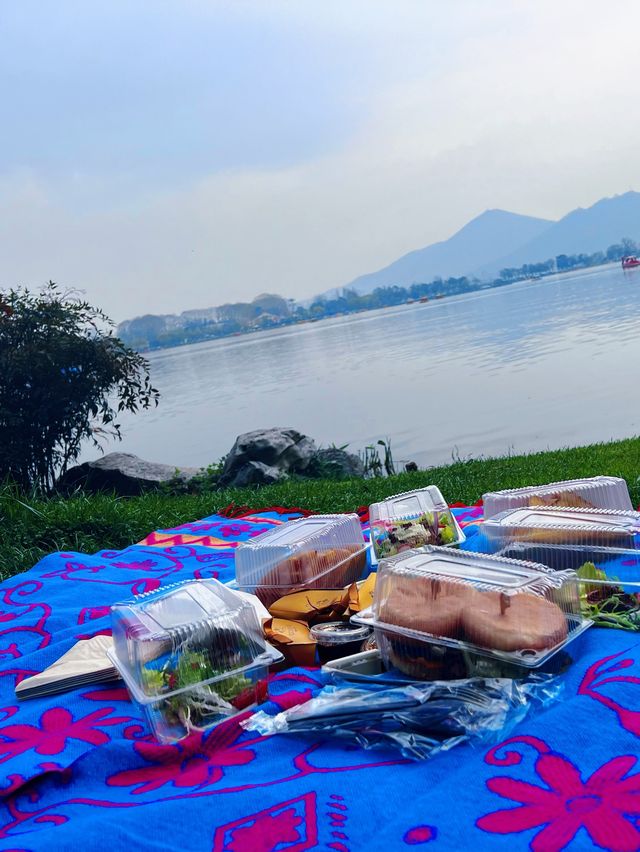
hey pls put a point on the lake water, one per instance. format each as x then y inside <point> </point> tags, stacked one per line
<point>531,366</point>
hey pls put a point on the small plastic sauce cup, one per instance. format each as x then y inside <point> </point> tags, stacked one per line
<point>337,639</point>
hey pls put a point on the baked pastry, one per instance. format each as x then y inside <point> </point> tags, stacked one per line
<point>564,499</point>
<point>431,606</point>
<point>313,569</point>
<point>514,622</point>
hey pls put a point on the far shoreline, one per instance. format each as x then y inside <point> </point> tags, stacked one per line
<point>480,288</point>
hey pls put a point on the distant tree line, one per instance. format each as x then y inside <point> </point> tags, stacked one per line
<point>564,262</point>
<point>272,311</point>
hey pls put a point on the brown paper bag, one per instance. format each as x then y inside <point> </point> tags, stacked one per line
<point>307,605</point>
<point>293,639</point>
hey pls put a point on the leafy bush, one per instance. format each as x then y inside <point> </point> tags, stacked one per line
<point>63,379</point>
<point>202,483</point>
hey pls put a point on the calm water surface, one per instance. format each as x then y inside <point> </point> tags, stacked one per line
<point>532,366</point>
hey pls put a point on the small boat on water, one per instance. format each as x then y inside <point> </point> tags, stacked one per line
<point>630,261</point>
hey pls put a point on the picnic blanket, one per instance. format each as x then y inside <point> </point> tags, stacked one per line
<point>80,770</point>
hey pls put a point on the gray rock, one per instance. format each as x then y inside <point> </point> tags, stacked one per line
<point>257,473</point>
<point>123,473</point>
<point>284,449</point>
<point>333,462</point>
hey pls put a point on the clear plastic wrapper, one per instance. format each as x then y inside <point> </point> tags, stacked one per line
<point>608,578</point>
<point>597,492</point>
<point>419,719</point>
<point>191,654</point>
<point>514,611</point>
<point>577,527</point>
<point>412,519</point>
<point>319,552</point>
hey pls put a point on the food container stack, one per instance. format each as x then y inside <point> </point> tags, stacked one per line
<point>600,545</point>
<point>582,527</point>
<point>436,606</point>
<point>191,655</point>
<point>412,519</point>
<point>597,492</point>
<point>319,552</point>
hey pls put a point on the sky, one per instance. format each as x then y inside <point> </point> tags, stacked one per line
<point>164,155</point>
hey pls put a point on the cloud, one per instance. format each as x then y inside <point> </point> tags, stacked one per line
<point>445,112</point>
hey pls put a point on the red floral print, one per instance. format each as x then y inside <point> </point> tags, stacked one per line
<point>267,832</point>
<point>605,672</point>
<point>235,530</point>
<point>290,826</point>
<point>420,834</point>
<point>56,727</point>
<point>601,805</point>
<point>197,761</point>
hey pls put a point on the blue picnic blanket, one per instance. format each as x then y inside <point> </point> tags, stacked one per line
<point>81,770</point>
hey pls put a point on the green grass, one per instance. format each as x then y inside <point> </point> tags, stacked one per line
<point>30,527</point>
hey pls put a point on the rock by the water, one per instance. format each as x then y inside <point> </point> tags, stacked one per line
<point>257,473</point>
<point>336,463</point>
<point>284,450</point>
<point>123,473</point>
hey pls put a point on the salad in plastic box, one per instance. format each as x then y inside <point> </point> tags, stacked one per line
<point>412,519</point>
<point>191,654</point>
<point>435,598</point>
<point>318,552</point>
<point>597,492</point>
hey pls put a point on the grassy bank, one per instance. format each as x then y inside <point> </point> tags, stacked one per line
<point>31,528</point>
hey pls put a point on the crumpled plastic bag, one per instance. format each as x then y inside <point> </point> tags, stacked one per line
<point>418,719</point>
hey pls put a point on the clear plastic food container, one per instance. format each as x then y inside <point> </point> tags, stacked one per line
<point>597,492</point>
<point>319,552</point>
<point>191,654</point>
<point>413,519</point>
<point>434,598</point>
<point>546,525</point>
<point>442,663</point>
<point>608,577</point>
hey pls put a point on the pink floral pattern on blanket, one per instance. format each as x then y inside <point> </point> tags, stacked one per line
<point>605,805</point>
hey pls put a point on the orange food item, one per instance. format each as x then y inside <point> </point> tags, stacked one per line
<point>567,499</point>
<point>492,620</point>
<point>514,622</point>
<point>434,606</point>
<point>314,569</point>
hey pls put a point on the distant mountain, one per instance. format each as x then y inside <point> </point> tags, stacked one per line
<point>494,241</point>
<point>477,245</point>
<point>604,223</point>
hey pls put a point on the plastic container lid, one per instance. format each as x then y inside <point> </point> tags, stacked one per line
<point>597,492</point>
<point>620,563</point>
<point>339,633</point>
<point>318,552</point>
<point>499,607</point>
<point>195,632</point>
<point>412,519</point>
<point>544,524</point>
